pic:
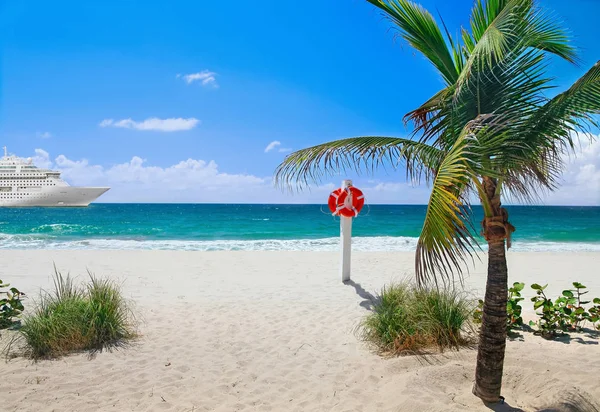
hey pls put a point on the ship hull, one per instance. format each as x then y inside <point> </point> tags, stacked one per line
<point>66,196</point>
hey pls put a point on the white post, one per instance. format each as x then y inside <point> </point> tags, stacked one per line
<point>346,238</point>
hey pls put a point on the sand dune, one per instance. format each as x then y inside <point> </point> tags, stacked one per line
<point>274,331</point>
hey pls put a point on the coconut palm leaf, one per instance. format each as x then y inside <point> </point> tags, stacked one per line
<point>358,154</point>
<point>419,28</point>
<point>446,241</point>
<point>568,112</point>
<point>501,27</point>
<point>424,117</point>
<point>544,32</point>
<point>532,159</point>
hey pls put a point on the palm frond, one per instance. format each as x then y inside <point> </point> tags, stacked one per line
<point>507,93</point>
<point>533,160</point>
<point>545,33</point>
<point>423,116</point>
<point>457,52</point>
<point>419,28</point>
<point>510,27</point>
<point>446,241</point>
<point>495,27</point>
<point>542,30</point>
<point>357,154</point>
<point>483,15</point>
<point>568,111</point>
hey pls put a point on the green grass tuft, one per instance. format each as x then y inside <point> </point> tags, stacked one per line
<point>70,318</point>
<point>406,319</point>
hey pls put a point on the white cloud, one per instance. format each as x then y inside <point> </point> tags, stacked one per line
<point>153,123</point>
<point>42,159</point>
<point>395,192</point>
<point>205,77</point>
<point>580,183</point>
<point>190,180</point>
<point>194,180</point>
<point>44,135</point>
<point>272,145</point>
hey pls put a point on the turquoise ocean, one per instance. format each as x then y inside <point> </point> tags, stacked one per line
<point>271,227</point>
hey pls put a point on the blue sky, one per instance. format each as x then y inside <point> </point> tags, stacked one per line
<point>298,73</point>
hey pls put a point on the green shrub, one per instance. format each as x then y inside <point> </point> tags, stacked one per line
<point>11,305</point>
<point>575,311</point>
<point>552,316</point>
<point>566,313</point>
<point>513,306</point>
<point>595,313</point>
<point>74,318</point>
<point>406,319</point>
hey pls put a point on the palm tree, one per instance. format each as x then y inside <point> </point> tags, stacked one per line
<point>491,132</point>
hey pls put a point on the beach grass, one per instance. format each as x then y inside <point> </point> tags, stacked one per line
<point>406,319</point>
<point>73,318</point>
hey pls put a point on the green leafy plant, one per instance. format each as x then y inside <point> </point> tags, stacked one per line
<point>574,310</point>
<point>594,313</point>
<point>553,319</point>
<point>567,313</point>
<point>11,305</point>
<point>406,319</point>
<point>514,320</point>
<point>513,306</point>
<point>73,318</point>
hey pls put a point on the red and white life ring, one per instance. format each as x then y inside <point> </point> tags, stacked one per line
<point>346,202</point>
<point>332,202</point>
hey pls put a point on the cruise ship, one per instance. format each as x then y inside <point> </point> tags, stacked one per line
<point>24,184</point>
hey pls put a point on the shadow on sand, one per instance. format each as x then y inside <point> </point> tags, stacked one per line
<point>587,337</point>
<point>502,407</point>
<point>369,301</point>
<point>572,402</point>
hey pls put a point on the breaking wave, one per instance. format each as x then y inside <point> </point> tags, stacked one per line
<point>364,244</point>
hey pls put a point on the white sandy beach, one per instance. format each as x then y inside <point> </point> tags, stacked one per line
<point>275,331</point>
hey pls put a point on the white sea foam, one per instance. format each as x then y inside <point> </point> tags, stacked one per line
<point>365,244</point>
<point>61,228</point>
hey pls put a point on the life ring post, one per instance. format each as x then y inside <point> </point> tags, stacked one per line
<point>346,202</point>
<point>346,239</point>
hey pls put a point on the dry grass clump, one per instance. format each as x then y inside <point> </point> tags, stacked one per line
<point>406,319</point>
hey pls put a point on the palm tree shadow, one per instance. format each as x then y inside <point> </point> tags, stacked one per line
<point>571,402</point>
<point>502,407</point>
<point>370,301</point>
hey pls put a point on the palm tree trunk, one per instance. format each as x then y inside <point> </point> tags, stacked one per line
<point>492,338</point>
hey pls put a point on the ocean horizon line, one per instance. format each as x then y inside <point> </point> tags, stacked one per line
<point>316,204</point>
